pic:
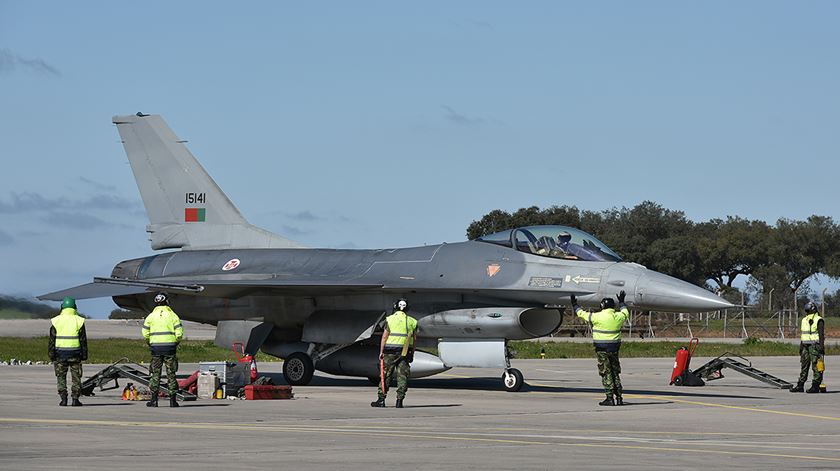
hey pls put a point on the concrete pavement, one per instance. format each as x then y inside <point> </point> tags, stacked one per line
<point>458,420</point>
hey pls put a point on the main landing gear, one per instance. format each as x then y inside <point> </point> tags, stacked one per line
<point>298,369</point>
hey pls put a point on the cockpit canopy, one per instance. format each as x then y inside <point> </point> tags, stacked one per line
<point>554,241</point>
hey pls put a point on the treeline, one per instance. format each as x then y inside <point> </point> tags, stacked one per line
<point>35,310</point>
<point>126,314</point>
<point>781,258</point>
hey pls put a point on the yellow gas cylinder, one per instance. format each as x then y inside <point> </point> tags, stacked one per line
<point>821,368</point>
<point>219,394</point>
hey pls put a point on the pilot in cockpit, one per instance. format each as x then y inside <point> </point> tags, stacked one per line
<point>561,249</point>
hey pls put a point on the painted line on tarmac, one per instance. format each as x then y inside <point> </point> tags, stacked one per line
<point>686,401</point>
<point>744,408</point>
<point>398,433</point>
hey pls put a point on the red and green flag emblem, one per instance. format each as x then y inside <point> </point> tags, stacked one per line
<point>195,214</point>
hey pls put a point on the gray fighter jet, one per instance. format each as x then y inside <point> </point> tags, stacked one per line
<point>319,308</point>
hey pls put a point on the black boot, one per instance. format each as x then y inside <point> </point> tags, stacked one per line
<point>607,402</point>
<point>619,401</point>
<point>63,399</point>
<point>798,388</point>
<point>76,402</point>
<point>153,401</point>
<point>815,388</point>
<point>173,401</point>
<point>399,404</point>
<point>378,403</point>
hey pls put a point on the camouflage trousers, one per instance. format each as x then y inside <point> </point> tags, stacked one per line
<point>610,368</point>
<point>395,363</point>
<point>808,356</point>
<point>75,368</point>
<point>155,367</point>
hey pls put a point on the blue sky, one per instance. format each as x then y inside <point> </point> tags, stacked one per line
<point>373,124</point>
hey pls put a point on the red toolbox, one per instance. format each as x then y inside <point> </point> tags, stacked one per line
<point>267,392</point>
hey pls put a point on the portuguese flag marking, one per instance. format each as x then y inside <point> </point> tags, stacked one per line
<point>194,214</point>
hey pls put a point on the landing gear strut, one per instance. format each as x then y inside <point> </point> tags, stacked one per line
<point>512,378</point>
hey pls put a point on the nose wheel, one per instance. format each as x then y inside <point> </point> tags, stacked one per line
<point>512,380</point>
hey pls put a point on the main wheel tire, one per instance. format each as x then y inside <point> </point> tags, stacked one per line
<point>298,369</point>
<point>678,381</point>
<point>512,380</point>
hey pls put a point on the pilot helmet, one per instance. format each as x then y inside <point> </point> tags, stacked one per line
<point>607,303</point>
<point>161,299</point>
<point>400,305</point>
<point>810,307</point>
<point>564,236</point>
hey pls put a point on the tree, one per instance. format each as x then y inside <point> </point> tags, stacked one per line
<point>804,248</point>
<point>631,232</point>
<point>677,256</point>
<point>498,220</point>
<point>797,250</point>
<point>730,248</point>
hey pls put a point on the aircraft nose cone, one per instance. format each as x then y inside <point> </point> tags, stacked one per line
<point>657,291</point>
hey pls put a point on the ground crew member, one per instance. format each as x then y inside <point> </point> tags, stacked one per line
<point>163,331</point>
<point>68,349</point>
<point>606,335</point>
<point>396,351</point>
<point>811,348</point>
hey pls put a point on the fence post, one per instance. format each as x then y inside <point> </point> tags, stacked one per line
<point>725,319</point>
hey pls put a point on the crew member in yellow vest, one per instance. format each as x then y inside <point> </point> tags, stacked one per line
<point>163,331</point>
<point>606,335</point>
<point>68,349</point>
<point>396,352</point>
<point>811,348</point>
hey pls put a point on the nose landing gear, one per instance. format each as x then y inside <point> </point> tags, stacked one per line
<point>512,378</point>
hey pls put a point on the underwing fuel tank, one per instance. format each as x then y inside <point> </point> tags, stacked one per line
<point>361,360</point>
<point>513,323</point>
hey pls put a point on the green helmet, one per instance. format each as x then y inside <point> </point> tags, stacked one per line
<point>68,302</point>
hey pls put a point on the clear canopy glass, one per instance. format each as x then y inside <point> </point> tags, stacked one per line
<point>554,241</point>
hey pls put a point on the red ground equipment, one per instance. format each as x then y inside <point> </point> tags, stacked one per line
<point>683,360</point>
<point>253,392</point>
<point>242,357</point>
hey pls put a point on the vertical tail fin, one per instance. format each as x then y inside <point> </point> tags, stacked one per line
<point>186,208</point>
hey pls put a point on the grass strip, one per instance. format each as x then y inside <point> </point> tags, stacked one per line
<point>749,347</point>
<point>111,350</point>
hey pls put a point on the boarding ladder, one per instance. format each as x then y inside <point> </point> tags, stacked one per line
<point>712,370</point>
<point>123,368</point>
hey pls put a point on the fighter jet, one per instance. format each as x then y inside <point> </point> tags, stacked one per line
<point>319,309</point>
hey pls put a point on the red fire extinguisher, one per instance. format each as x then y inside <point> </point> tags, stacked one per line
<point>253,368</point>
<point>683,358</point>
<point>243,357</point>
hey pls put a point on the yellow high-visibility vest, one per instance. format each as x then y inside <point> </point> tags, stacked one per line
<point>401,328</point>
<point>809,333</point>
<point>163,327</point>
<point>606,324</point>
<point>67,325</point>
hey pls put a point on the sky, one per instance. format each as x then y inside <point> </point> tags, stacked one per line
<point>389,124</point>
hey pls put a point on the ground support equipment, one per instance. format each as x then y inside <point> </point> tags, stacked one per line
<point>123,368</point>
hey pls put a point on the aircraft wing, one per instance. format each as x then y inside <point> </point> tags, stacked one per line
<point>108,287</point>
